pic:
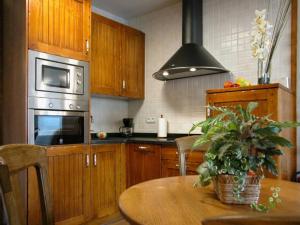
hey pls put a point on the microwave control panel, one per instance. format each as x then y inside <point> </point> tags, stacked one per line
<point>79,81</point>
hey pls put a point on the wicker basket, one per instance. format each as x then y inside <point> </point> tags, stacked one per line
<point>223,185</point>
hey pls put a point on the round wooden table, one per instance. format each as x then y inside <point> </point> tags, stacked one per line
<point>174,201</point>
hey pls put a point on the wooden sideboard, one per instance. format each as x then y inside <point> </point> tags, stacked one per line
<point>274,100</point>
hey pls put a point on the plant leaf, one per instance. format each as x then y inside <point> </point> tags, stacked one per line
<point>251,106</point>
<point>277,140</point>
<point>223,149</point>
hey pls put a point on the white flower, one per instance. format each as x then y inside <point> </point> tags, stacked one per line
<point>260,35</point>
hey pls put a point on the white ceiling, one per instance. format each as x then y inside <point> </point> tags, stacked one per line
<point>131,8</point>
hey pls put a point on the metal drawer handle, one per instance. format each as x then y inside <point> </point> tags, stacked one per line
<point>95,159</point>
<point>177,165</point>
<point>87,160</point>
<point>142,147</point>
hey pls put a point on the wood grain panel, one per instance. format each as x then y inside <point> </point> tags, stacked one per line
<point>105,60</point>
<point>14,72</point>
<point>143,163</point>
<point>132,63</point>
<point>69,179</point>
<point>294,44</point>
<point>274,100</point>
<point>170,161</point>
<point>60,27</point>
<point>107,178</point>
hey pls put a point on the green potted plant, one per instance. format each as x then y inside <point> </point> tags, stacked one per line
<point>241,147</point>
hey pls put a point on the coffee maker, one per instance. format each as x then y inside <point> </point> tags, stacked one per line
<point>127,129</point>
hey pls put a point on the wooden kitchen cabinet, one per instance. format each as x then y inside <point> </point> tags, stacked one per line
<point>105,60</point>
<point>60,27</point>
<point>108,178</point>
<point>118,58</point>
<point>143,162</point>
<point>69,179</point>
<point>274,100</point>
<point>132,63</point>
<point>170,162</point>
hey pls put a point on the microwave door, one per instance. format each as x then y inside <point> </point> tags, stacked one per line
<point>54,77</point>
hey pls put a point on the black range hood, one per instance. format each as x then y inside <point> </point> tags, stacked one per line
<point>191,59</point>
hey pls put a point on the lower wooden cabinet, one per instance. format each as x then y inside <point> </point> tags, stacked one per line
<point>69,179</point>
<point>170,162</point>
<point>85,183</point>
<point>144,163</point>
<point>108,178</point>
<point>274,100</point>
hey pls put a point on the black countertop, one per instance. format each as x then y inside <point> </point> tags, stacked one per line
<point>146,138</point>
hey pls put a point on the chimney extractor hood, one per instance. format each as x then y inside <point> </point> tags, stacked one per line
<point>191,59</point>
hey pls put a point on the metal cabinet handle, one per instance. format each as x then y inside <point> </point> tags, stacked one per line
<point>95,159</point>
<point>87,45</point>
<point>177,165</point>
<point>123,84</point>
<point>208,112</point>
<point>142,147</point>
<point>87,160</point>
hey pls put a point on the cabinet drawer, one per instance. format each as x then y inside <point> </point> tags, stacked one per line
<point>170,153</point>
<point>170,168</point>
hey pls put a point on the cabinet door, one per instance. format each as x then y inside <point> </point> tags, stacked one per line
<point>132,63</point>
<point>265,99</point>
<point>60,27</point>
<point>144,163</point>
<point>108,176</point>
<point>105,60</point>
<point>69,178</point>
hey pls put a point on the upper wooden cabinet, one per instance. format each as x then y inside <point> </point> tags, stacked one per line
<point>132,63</point>
<point>118,58</point>
<point>60,27</point>
<point>274,100</point>
<point>105,60</point>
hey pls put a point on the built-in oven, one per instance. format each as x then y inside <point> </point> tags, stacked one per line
<point>53,76</point>
<point>58,100</point>
<point>57,127</point>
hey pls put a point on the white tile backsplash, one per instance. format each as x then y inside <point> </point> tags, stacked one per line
<point>227,25</point>
<point>108,114</point>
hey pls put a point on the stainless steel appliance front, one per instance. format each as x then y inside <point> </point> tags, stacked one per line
<point>53,76</point>
<point>47,127</point>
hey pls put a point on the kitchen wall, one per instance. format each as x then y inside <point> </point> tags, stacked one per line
<point>227,25</point>
<point>107,113</point>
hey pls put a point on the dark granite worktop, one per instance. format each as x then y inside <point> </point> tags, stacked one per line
<point>146,138</point>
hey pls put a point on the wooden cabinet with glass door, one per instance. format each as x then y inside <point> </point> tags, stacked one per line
<point>274,100</point>
<point>60,27</point>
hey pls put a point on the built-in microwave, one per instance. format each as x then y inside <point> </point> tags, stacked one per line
<point>57,77</point>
